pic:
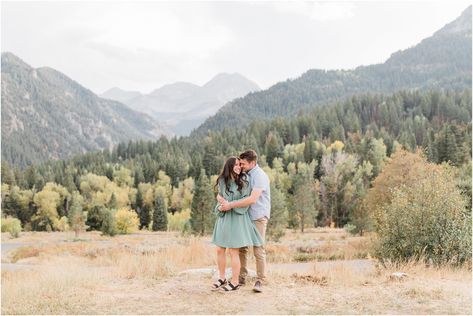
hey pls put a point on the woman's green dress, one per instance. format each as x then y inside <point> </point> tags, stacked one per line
<point>234,228</point>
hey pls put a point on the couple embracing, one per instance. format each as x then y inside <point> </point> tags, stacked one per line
<point>243,211</point>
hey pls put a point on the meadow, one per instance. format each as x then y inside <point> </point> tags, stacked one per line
<point>321,271</point>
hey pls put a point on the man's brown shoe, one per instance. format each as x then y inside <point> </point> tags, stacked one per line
<point>257,288</point>
<point>241,280</point>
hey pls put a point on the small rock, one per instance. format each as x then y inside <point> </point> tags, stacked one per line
<point>199,271</point>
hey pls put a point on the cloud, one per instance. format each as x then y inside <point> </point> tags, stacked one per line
<point>159,28</point>
<point>318,11</point>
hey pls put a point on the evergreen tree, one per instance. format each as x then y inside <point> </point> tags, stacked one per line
<point>448,148</point>
<point>7,175</point>
<point>202,218</point>
<point>142,210</point>
<point>95,216</point>
<point>32,178</point>
<point>108,226</point>
<point>278,222</point>
<point>160,220</point>
<point>305,201</point>
<point>273,147</point>
<point>138,176</point>
<point>210,160</point>
<point>77,218</point>
<point>69,180</point>
<point>295,138</point>
<point>309,150</point>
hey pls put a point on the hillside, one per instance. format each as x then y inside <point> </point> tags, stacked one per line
<point>46,115</point>
<point>442,61</point>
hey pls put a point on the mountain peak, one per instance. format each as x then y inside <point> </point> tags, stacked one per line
<point>460,25</point>
<point>113,90</point>
<point>11,61</point>
<point>179,88</point>
<point>225,78</point>
<point>225,75</point>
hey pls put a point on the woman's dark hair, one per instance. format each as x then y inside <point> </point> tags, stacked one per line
<point>227,173</point>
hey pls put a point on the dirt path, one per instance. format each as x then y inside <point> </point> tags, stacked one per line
<point>190,294</point>
<point>361,266</point>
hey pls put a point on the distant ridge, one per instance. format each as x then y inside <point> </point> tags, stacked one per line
<point>46,115</point>
<point>182,106</point>
<point>442,61</point>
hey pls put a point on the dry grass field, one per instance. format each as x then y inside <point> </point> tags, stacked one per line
<point>323,271</point>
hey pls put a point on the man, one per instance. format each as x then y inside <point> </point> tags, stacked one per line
<point>259,203</point>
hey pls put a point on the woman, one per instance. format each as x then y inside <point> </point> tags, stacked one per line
<point>233,229</point>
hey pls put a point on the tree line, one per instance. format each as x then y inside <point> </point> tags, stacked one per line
<point>323,164</point>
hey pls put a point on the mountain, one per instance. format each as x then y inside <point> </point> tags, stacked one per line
<point>442,61</point>
<point>226,87</point>
<point>120,95</point>
<point>183,106</point>
<point>46,115</point>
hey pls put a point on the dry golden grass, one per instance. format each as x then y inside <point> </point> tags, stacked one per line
<point>25,252</point>
<point>131,259</point>
<point>319,244</point>
<point>63,288</point>
<point>129,263</point>
<point>139,274</point>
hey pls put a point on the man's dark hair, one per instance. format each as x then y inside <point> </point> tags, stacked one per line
<point>249,155</point>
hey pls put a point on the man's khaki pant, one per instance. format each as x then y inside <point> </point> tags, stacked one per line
<point>259,252</point>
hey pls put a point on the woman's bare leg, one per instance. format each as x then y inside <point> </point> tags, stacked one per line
<point>235,257</point>
<point>221,262</point>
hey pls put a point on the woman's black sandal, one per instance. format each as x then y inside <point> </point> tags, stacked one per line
<point>219,284</point>
<point>230,287</point>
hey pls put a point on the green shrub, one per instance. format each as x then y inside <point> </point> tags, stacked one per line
<point>11,225</point>
<point>351,229</point>
<point>426,220</point>
<point>276,233</point>
<point>186,229</point>
<point>304,257</point>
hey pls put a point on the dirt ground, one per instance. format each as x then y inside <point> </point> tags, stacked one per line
<point>164,273</point>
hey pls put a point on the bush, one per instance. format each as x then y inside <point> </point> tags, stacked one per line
<point>108,223</point>
<point>177,221</point>
<point>186,229</point>
<point>126,221</point>
<point>275,234</point>
<point>426,220</point>
<point>351,229</point>
<point>63,224</point>
<point>11,225</point>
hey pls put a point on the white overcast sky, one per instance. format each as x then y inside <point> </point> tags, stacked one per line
<point>144,45</point>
